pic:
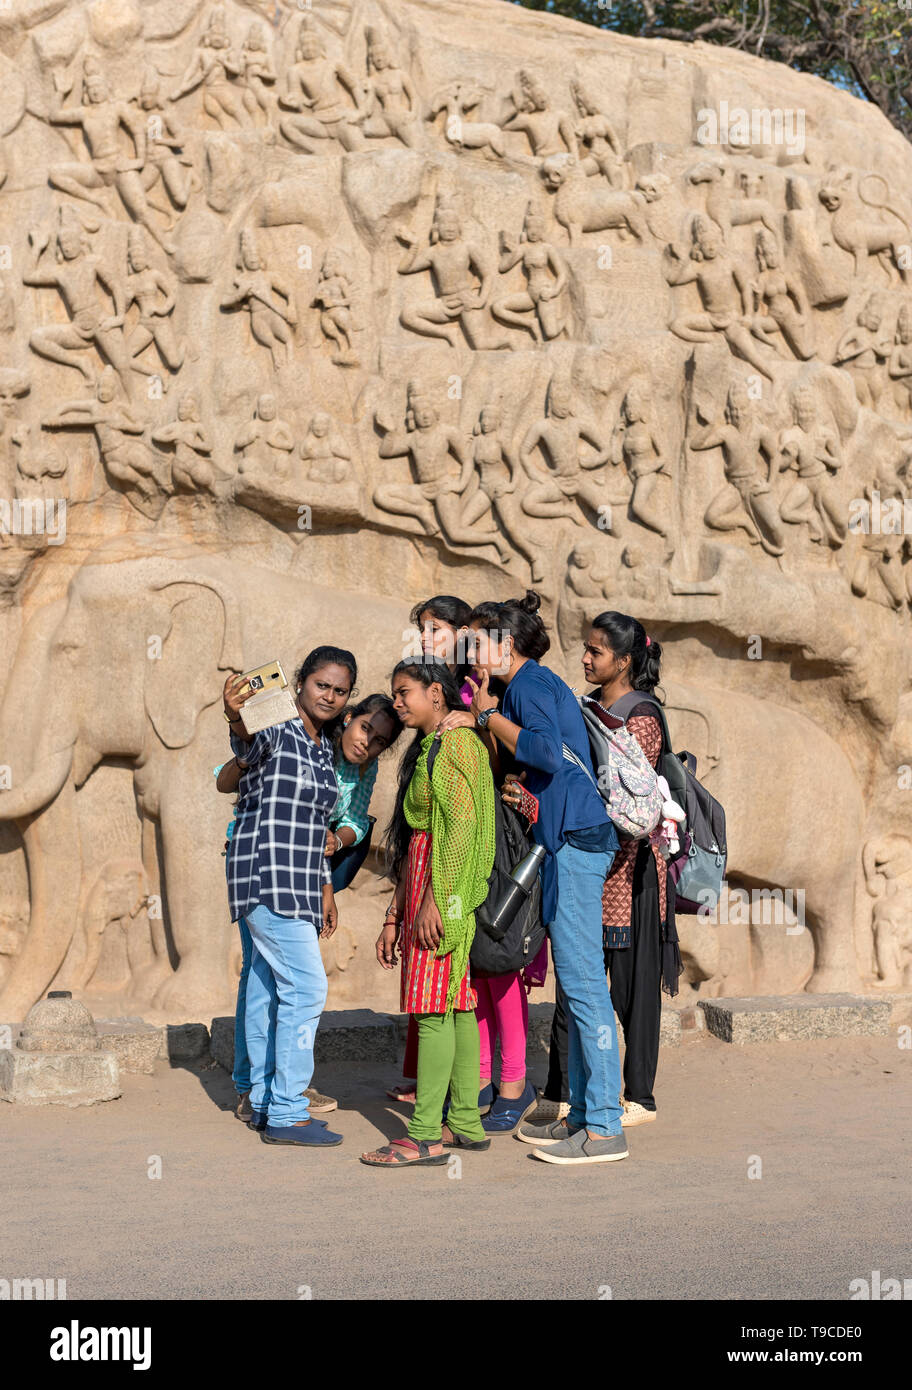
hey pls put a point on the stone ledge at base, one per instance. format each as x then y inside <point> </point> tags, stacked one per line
<point>344,1035</point>
<point>796,1017</point>
<point>64,1078</point>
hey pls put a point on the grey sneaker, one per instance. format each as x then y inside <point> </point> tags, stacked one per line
<point>579,1148</point>
<point>553,1133</point>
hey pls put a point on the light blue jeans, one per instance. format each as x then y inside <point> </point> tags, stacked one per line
<point>241,1074</point>
<point>286,992</point>
<point>593,1062</point>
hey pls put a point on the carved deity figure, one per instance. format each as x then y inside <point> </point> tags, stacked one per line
<point>750,456</point>
<point>101,117</point>
<point>216,66</point>
<point>498,475</point>
<point>313,91</point>
<point>724,290</point>
<point>154,296</point>
<point>884,549</point>
<point>597,137</point>
<point>900,365</point>
<point>637,441</point>
<point>887,864</point>
<point>334,299</point>
<point>585,578</point>
<point>266,443</point>
<point>391,102</point>
<point>863,351</point>
<point>258,76</point>
<point>548,131</point>
<point>779,303</point>
<point>191,469</point>
<point>272,323</point>
<point>166,157</point>
<point>811,447</point>
<point>326,452</point>
<point>77,277</point>
<point>559,489</point>
<point>463,278</point>
<point>442,467</point>
<point>126,459</point>
<point>538,308</point>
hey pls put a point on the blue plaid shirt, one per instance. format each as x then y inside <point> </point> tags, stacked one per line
<point>285,799</point>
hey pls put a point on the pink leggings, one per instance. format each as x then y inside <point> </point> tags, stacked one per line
<point>502,1011</point>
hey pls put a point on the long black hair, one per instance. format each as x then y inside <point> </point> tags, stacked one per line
<point>519,617</point>
<point>369,705</point>
<point>453,611</point>
<point>399,832</point>
<point>327,656</point>
<point>627,637</point>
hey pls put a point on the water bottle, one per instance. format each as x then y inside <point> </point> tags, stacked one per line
<point>520,886</point>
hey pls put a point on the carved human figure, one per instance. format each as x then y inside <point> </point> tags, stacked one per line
<point>166,156</point>
<point>548,131</point>
<point>538,309</point>
<point>312,91</point>
<point>216,66</point>
<point>900,365</point>
<point>456,264</point>
<point>266,443</point>
<point>779,302</point>
<point>457,100</point>
<point>258,75</point>
<point>101,117</point>
<point>498,473</point>
<point>391,102</point>
<point>637,443</point>
<point>750,456</point>
<point>77,277</point>
<point>597,137</point>
<point>812,448</point>
<point>585,578</point>
<point>565,484</point>
<point>433,449</point>
<point>864,350</point>
<point>856,231</point>
<point>326,452</point>
<point>724,290</point>
<point>334,299</point>
<point>884,548</point>
<point>887,863</point>
<point>272,323</point>
<point>125,458</point>
<point>191,469</point>
<point>41,471</point>
<point>14,384</point>
<point>154,296</point>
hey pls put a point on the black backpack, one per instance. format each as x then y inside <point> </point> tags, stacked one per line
<point>699,870</point>
<point>496,953</point>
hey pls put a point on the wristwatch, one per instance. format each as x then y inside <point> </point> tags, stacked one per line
<point>482,719</point>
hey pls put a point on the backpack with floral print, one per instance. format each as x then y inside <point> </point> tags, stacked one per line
<point>627,781</point>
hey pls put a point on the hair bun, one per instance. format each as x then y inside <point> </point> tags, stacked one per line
<point>531,603</point>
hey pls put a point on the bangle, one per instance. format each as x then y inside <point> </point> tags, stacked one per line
<point>236,719</point>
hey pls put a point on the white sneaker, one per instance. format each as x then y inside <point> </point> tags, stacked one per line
<point>548,1112</point>
<point>636,1114</point>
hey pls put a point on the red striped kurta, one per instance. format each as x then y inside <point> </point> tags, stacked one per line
<point>425,977</point>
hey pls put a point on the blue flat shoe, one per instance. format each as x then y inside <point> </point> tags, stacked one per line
<point>306,1136</point>
<point>486,1098</point>
<point>257,1120</point>
<point>506,1114</point>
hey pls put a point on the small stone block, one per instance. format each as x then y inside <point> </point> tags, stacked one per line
<point>184,1042</point>
<point>356,1035</point>
<point>221,1042</point>
<point>796,1017</point>
<point>135,1043</point>
<point>58,1078</point>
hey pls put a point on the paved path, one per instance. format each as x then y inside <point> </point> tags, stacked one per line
<point>231,1218</point>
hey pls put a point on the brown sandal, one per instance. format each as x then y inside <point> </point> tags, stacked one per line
<point>391,1155</point>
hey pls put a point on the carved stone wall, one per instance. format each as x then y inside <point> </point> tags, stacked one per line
<point>308,311</point>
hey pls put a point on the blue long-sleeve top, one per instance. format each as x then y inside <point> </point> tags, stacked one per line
<point>548,713</point>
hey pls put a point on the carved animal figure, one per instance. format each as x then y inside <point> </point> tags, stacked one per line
<point>584,205</point>
<point>856,231</point>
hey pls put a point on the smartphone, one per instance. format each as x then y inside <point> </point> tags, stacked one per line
<point>266,677</point>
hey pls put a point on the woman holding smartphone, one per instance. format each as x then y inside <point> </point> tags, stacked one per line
<point>279,882</point>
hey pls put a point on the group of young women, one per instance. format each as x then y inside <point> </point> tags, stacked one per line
<point>489,721</point>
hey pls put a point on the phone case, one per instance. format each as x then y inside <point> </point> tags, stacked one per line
<point>528,805</point>
<point>267,708</point>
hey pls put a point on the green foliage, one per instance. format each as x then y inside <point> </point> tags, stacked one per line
<point>862,45</point>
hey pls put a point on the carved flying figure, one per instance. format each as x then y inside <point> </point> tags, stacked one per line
<point>538,309</point>
<point>597,137</point>
<point>261,293</point>
<point>636,442</point>
<point>217,67</point>
<point>128,462</point>
<point>548,131</point>
<point>463,276</point>
<point>811,448</point>
<point>154,294</point>
<point>391,102</point>
<point>565,484</point>
<point>884,549</point>
<point>258,76</point>
<point>334,300</point>
<point>166,157</point>
<point>313,90</point>
<point>779,303</point>
<point>900,364</point>
<point>499,474</point>
<point>864,350</point>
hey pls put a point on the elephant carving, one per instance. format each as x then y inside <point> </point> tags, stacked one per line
<point>774,771</point>
<point>887,865</point>
<point>130,667</point>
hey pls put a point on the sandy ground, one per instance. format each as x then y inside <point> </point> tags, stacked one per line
<point>232,1218</point>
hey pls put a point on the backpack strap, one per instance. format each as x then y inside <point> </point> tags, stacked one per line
<point>432,755</point>
<point>622,707</point>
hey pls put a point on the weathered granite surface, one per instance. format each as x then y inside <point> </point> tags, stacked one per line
<point>795,1018</point>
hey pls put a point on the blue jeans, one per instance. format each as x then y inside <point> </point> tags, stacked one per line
<point>593,1062</point>
<point>241,1074</point>
<point>286,992</point>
